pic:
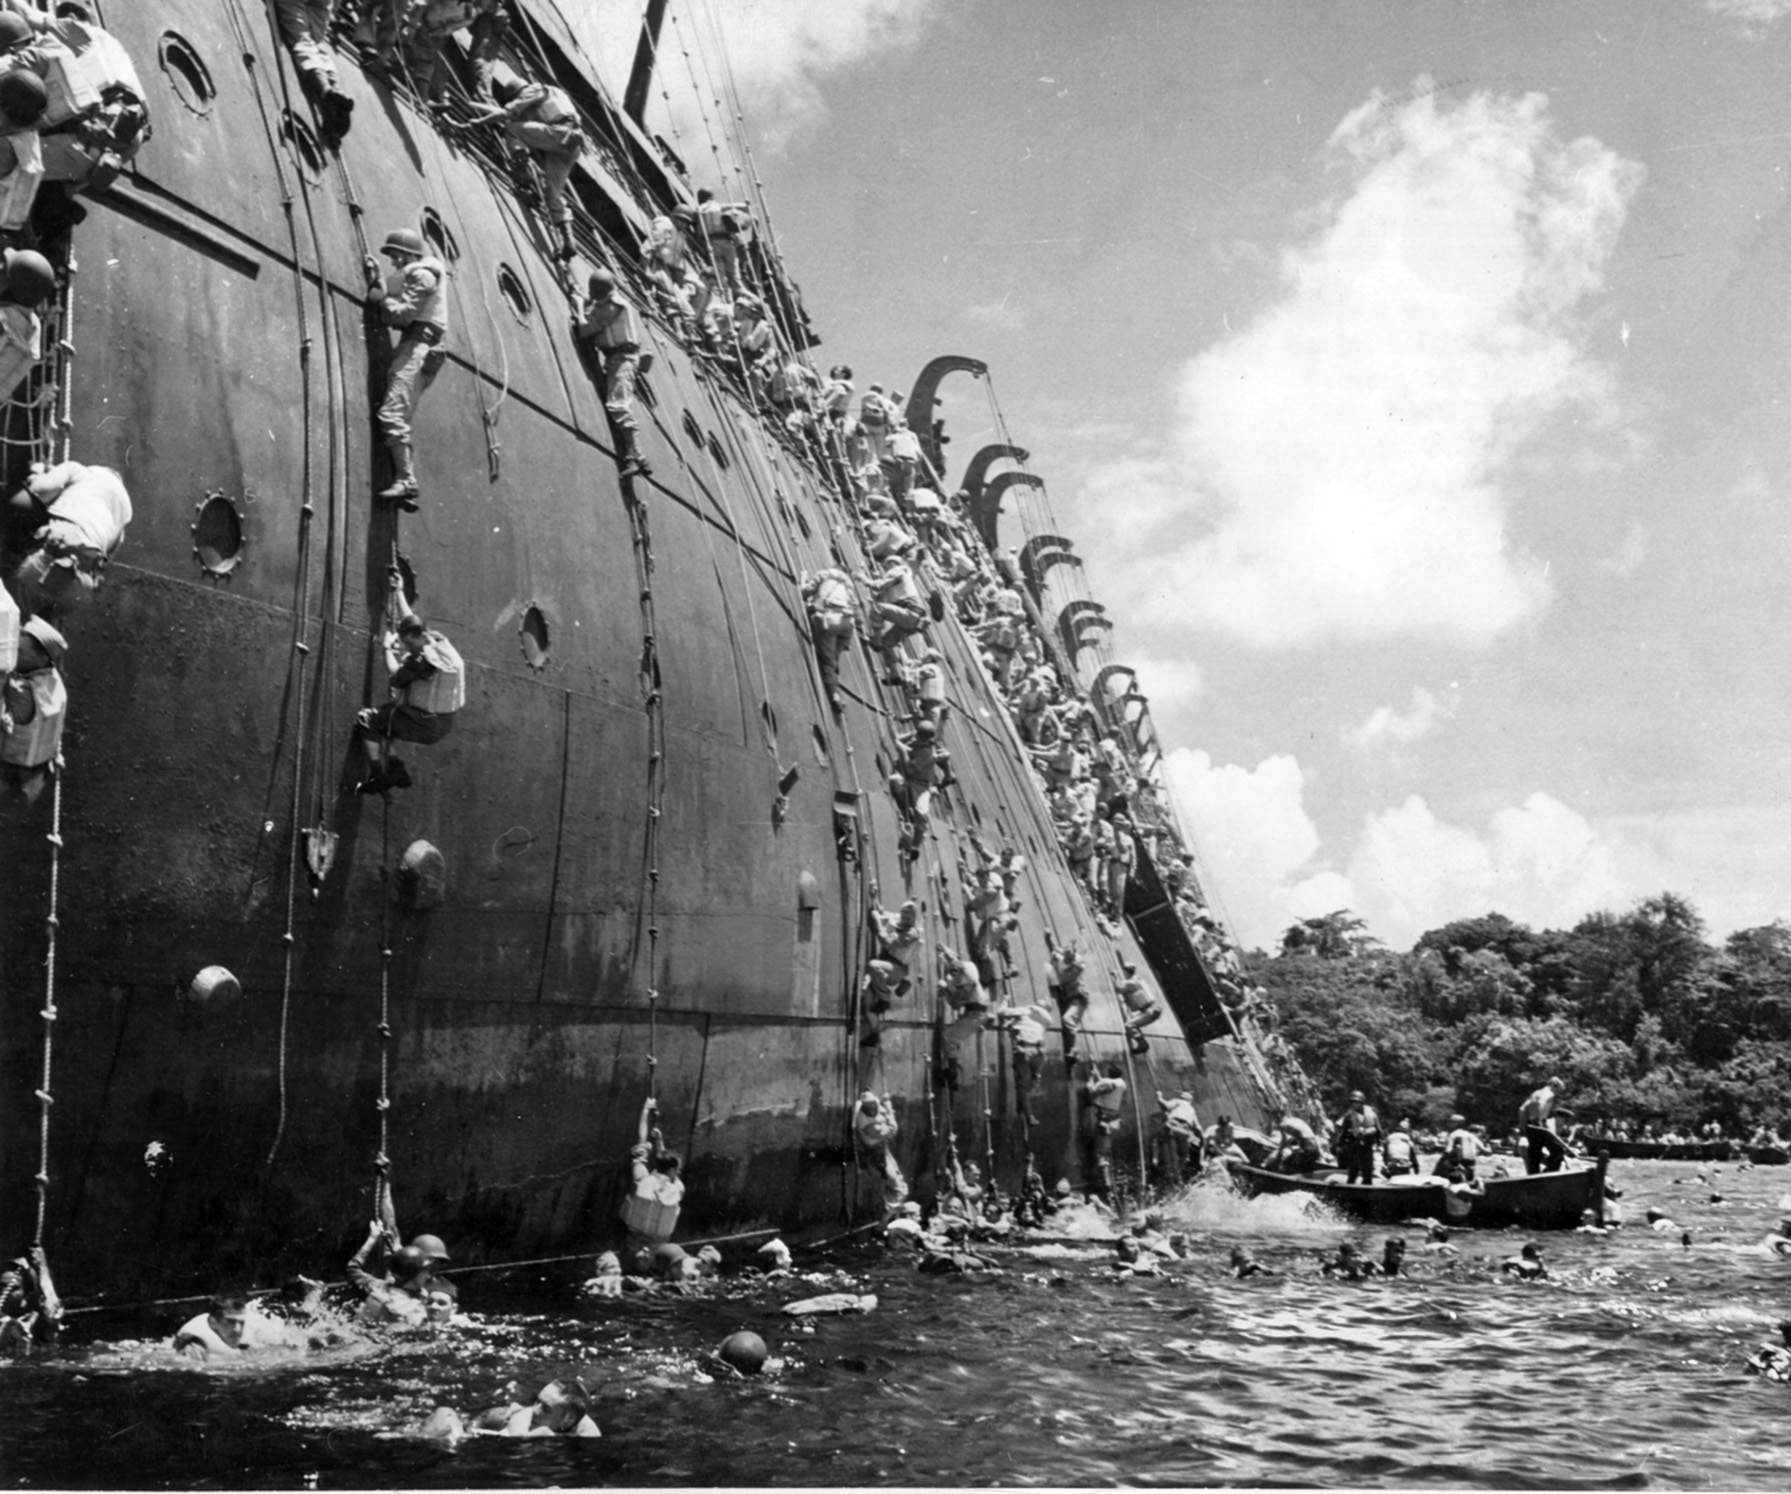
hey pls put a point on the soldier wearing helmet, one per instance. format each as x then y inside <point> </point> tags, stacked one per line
<point>23,100</point>
<point>26,282</point>
<point>540,118</point>
<point>413,298</point>
<point>609,327</point>
<point>33,711</point>
<point>426,687</point>
<point>401,1293</point>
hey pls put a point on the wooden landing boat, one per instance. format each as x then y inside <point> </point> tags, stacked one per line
<point>1768,1156</point>
<point>1543,1200</point>
<point>1660,1151</point>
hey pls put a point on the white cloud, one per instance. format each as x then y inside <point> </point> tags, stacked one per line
<point>1388,729</point>
<point>779,52</point>
<point>997,316</point>
<point>1339,471</point>
<point>1256,845</point>
<point>1539,863</point>
<point>1627,558</point>
<point>1753,14</point>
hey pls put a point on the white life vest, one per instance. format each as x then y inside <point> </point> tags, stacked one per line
<point>444,692</point>
<point>1109,1095</point>
<point>21,345</point>
<point>31,744</point>
<point>89,510</point>
<point>9,632</point>
<point>432,305</point>
<point>651,1214</point>
<point>1029,1029</point>
<point>618,327</point>
<point>92,70</point>
<point>18,188</point>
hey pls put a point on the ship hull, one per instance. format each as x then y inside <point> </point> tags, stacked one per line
<point>633,901</point>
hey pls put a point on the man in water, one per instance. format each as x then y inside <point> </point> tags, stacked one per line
<point>1543,1150</point>
<point>1526,1265</point>
<point>30,1310</point>
<point>651,1210</point>
<point>219,1330</point>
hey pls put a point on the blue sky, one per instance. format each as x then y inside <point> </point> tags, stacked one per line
<point>1413,379</point>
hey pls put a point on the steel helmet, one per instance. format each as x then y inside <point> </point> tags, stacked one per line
<point>13,30</point>
<point>409,1262</point>
<point>506,89</point>
<point>601,284</point>
<point>431,1246</point>
<point>23,97</point>
<point>52,642</point>
<point>29,279</point>
<point>403,240</point>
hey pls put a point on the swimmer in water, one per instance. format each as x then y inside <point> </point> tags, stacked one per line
<point>1526,1265</point>
<point>1779,1242</point>
<point>774,1256</point>
<point>1131,1259</point>
<point>1772,1361</point>
<point>1436,1241</point>
<point>606,1277</point>
<point>1393,1257</point>
<point>1244,1265</point>
<point>1589,1224</point>
<point>560,1408</point>
<point>1659,1223</point>
<point>219,1330</point>
<point>1350,1264</point>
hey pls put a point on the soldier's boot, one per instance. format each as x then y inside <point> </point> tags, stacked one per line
<point>632,464</point>
<point>402,490</point>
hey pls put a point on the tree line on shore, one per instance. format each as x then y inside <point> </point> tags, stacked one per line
<point>1645,1019</point>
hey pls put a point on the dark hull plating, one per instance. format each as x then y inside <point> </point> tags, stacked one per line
<point>221,350</point>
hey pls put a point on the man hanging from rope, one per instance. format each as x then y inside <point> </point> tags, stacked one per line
<point>413,298</point>
<point>428,685</point>
<point>30,1310</point>
<point>650,1211</point>
<point>84,512</point>
<point>541,118</point>
<point>609,327</point>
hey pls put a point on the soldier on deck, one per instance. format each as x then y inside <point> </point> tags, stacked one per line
<point>414,299</point>
<point>609,326</point>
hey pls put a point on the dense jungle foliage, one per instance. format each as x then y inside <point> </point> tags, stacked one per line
<point>1644,1019</point>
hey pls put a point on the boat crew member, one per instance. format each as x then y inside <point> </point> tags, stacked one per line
<point>305,28</point>
<point>28,283</point>
<point>874,1125</point>
<point>1141,1009</point>
<point>1399,1152</point>
<point>540,117</point>
<point>218,1330</point>
<point>610,327</point>
<point>833,619</point>
<point>724,227</point>
<point>1106,1095</point>
<point>1543,1150</point>
<point>33,711</point>
<point>1461,1153</point>
<point>413,298</point>
<point>86,511</point>
<point>427,686</point>
<point>1298,1150</point>
<point>650,1211</point>
<point>1354,1138</point>
<point>30,1310</point>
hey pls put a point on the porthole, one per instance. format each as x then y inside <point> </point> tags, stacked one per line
<point>535,642</point>
<point>187,75</point>
<point>440,235</point>
<point>514,292</point>
<point>721,457</point>
<point>304,143</point>
<point>217,535</point>
<point>692,429</point>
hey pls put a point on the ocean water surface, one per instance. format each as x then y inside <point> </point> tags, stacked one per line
<point>1624,1370</point>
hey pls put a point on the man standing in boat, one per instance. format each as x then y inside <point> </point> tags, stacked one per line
<point>414,299</point>
<point>1299,1150</point>
<point>1543,1149</point>
<point>1355,1136</point>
